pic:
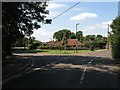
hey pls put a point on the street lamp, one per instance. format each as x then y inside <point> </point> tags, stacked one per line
<point>76,35</point>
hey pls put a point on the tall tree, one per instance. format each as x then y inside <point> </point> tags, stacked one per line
<point>115,38</point>
<point>62,33</point>
<point>79,35</point>
<point>19,19</point>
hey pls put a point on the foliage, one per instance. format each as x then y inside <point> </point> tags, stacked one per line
<point>33,46</point>
<point>115,38</point>
<point>79,35</point>
<point>72,35</point>
<point>19,43</point>
<point>61,33</point>
<point>26,42</point>
<point>92,41</point>
<point>19,19</point>
<point>43,47</point>
<point>89,41</point>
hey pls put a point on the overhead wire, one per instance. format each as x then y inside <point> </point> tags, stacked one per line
<point>67,10</point>
<point>49,20</point>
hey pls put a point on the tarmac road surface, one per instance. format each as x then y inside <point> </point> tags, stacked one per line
<point>72,71</point>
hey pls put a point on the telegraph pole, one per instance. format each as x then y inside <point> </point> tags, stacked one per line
<point>108,37</point>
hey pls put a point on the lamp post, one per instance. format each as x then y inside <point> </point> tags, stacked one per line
<point>76,35</point>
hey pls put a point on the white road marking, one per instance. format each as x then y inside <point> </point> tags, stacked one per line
<point>16,76</point>
<point>83,74</point>
<point>91,61</point>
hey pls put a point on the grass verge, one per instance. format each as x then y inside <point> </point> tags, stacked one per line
<point>57,51</point>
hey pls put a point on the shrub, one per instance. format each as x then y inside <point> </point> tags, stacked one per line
<point>43,47</point>
<point>116,52</point>
<point>33,46</point>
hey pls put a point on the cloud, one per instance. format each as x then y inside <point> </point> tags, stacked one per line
<point>91,27</point>
<point>55,6</point>
<point>42,35</point>
<point>54,9</point>
<point>103,25</point>
<point>40,32</point>
<point>99,28</point>
<point>107,22</point>
<point>83,16</point>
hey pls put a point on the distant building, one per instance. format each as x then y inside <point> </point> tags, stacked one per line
<point>70,43</point>
<point>74,42</point>
<point>54,43</point>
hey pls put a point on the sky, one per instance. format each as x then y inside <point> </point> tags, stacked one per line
<point>93,18</point>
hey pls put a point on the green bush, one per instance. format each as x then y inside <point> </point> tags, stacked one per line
<point>116,47</point>
<point>43,47</point>
<point>116,52</point>
<point>100,45</point>
<point>33,46</point>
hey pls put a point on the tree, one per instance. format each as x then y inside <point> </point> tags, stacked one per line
<point>89,40</point>
<point>19,19</point>
<point>62,33</point>
<point>72,36</point>
<point>93,41</point>
<point>86,41</point>
<point>99,37</point>
<point>79,35</point>
<point>115,38</point>
<point>100,42</point>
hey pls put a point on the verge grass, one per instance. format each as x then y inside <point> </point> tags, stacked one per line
<point>57,51</point>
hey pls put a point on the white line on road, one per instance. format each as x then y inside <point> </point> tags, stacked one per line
<point>83,74</point>
<point>90,61</point>
<point>12,77</point>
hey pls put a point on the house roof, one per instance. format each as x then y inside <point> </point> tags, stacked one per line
<point>73,42</point>
<point>55,43</point>
<point>50,43</point>
<point>70,42</point>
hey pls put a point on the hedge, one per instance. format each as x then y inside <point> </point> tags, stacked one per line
<point>116,52</point>
<point>33,46</point>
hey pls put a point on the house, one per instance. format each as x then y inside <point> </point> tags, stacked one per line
<point>74,43</point>
<point>54,43</point>
<point>70,43</point>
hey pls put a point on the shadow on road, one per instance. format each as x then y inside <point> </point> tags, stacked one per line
<point>66,72</point>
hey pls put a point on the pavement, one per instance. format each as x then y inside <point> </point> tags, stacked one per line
<point>88,70</point>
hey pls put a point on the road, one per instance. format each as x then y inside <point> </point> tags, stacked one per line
<point>90,70</point>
